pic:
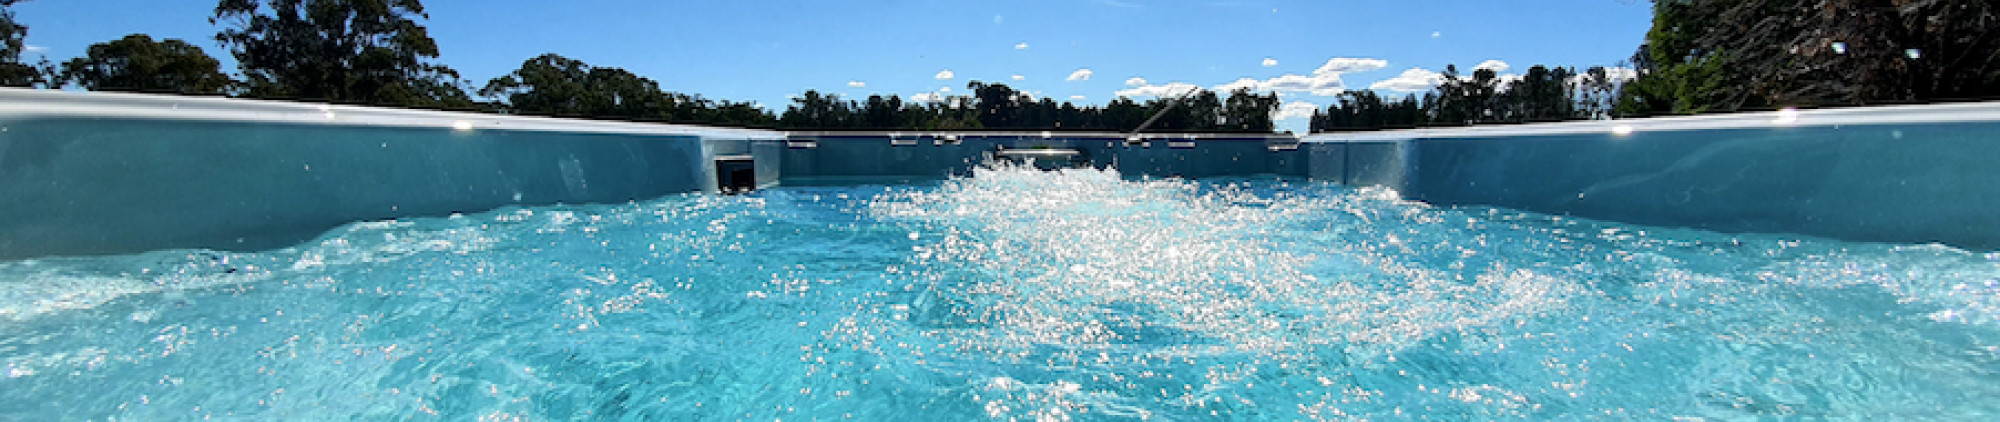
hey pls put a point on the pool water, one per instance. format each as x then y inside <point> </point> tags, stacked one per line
<point>1011,295</point>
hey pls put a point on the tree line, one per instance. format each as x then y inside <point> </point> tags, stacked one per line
<point>999,107</point>
<point>376,52</point>
<point>1700,56</point>
<point>1541,94</point>
<point>1707,56</point>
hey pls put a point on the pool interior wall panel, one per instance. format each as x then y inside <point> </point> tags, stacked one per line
<point>820,156</point>
<point>1904,183</point>
<point>1325,161</point>
<point>1293,162</point>
<point>98,173</point>
<point>103,186</point>
<point>767,157</point>
<point>1380,163</point>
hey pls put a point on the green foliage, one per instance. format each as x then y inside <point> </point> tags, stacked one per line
<point>1000,107</point>
<point>813,110</point>
<point>556,85</point>
<point>1365,110</point>
<point>13,41</point>
<point>364,51</point>
<point>1597,93</point>
<point>1542,94</point>
<point>551,84</point>
<point>1726,55</point>
<point>997,104</point>
<point>137,63</point>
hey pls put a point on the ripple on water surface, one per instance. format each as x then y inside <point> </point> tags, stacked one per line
<point>1010,294</point>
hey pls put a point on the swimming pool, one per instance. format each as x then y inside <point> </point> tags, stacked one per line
<point>1009,294</point>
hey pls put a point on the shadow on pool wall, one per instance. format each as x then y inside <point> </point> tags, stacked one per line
<point>99,173</point>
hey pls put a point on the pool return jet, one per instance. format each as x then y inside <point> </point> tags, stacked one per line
<point>1042,157</point>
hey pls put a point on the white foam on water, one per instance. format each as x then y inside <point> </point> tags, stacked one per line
<point>33,288</point>
<point>1084,257</point>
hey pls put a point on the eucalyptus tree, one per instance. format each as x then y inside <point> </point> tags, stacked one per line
<point>363,51</point>
<point>137,63</point>
<point>13,41</point>
<point>557,85</point>
<point>813,110</point>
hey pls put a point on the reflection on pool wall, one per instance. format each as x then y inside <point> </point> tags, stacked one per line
<point>88,187</point>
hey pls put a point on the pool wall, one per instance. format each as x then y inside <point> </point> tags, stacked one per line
<point>834,156</point>
<point>1910,174</point>
<point>105,173</point>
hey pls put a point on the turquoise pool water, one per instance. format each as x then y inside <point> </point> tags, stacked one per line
<point>1009,295</point>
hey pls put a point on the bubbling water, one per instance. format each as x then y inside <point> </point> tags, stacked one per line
<point>1011,294</point>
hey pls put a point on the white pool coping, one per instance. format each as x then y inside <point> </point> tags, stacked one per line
<point>1988,111</point>
<point>31,103</point>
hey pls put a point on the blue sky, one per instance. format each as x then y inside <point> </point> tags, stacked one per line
<point>766,51</point>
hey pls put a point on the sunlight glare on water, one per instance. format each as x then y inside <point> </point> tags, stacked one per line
<point>1012,294</point>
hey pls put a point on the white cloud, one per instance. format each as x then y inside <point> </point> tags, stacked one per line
<point>946,74</point>
<point>1168,90</point>
<point>1413,80</point>
<point>944,89</point>
<point>1322,84</point>
<point>1420,79</point>
<point>1251,84</point>
<point>1076,98</point>
<point>1621,74</point>
<point>1269,62</point>
<point>1080,75</point>
<point>928,97</point>
<point>1436,34</point>
<point>857,84</point>
<point>34,49</point>
<point>1295,110</point>
<point>1339,65</point>
<point>1135,82</point>
<point>1324,81</point>
<point>1021,46</point>
<point>1019,78</point>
